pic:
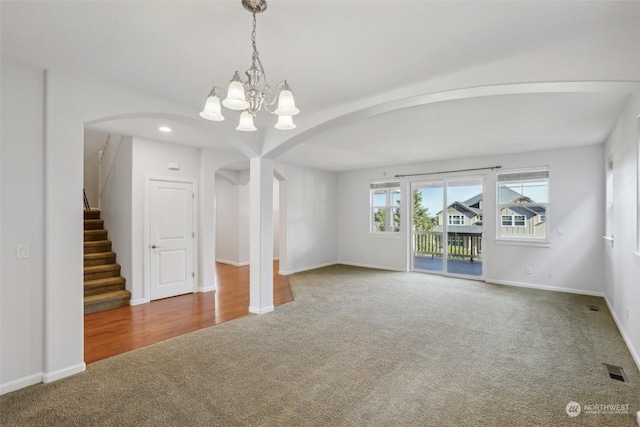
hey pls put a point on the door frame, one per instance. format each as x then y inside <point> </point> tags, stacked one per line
<point>147,263</point>
<point>445,238</point>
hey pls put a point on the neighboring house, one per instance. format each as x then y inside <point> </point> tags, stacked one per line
<point>465,218</point>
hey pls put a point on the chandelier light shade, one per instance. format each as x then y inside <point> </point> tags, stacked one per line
<point>212,110</point>
<point>285,123</point>
<point>235,99</point>
<point>286,103</point>
<point>251,96</point>
<point>246,122</point>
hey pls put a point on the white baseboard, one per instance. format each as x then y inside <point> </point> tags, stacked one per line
<point>139,301</point>
<point>311,267</point>
<point>625,337</point>
<point>21,383</point>
<point>235,264</point>
<point>261,310</point>
<point>545,287</point>
<point>206,289</point>
<point>375,267</point>
<point>638,418</point>
<point>63,373</point>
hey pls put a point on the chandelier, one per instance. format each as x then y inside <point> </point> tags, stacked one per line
<point>250,96</point>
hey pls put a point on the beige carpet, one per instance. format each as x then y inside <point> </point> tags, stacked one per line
<point>361,347</point>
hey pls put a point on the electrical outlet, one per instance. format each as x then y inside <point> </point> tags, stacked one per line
<point>527,270</point>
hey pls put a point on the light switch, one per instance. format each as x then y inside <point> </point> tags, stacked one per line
<point>560,231</point>
<point>22,252</point>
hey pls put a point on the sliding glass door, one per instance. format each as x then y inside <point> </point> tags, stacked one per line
<point>447,226</point>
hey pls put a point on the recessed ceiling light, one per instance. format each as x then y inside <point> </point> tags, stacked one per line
<point>165,128</point>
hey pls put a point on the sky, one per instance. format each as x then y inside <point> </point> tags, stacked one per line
<point>432,196</point>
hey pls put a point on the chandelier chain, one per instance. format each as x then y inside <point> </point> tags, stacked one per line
<point>256,58</point>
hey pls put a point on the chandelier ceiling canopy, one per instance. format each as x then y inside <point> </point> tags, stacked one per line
<point>255,93</point>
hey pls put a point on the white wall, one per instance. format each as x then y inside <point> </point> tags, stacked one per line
<point>66,103</point>
<point>151,158</point>
<point>22,222</point>
<point>310,218</point>
<point>276,218</point>
<point>94,142</point>
<point>227,220</point>
<point>117,205</point>
<point>94,179</point>
<point>622,285</point>
<point>573,261</point>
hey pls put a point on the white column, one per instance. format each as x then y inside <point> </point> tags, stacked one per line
<point>261,236</point>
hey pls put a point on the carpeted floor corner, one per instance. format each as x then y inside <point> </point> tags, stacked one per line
<point>361,347</point>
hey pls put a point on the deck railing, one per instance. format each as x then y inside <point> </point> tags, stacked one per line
<point>460,246</point>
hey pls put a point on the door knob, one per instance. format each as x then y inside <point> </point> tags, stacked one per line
<point>155,246</point>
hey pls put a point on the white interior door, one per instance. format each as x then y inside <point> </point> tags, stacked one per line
<point>171,238</point>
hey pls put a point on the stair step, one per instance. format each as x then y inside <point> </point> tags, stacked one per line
<point>93,235</point>
<point>106,301</point>
<point>93,224</point>
<point>92,214</point>
<point>101,286</point>
<point>97,246</point>
<point>99,258</point>
<point>101,271</point>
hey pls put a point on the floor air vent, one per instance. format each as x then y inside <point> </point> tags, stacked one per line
<point>594,307</point>
<point>615,373</point>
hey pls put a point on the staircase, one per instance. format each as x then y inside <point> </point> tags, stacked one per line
<point>104,288</point>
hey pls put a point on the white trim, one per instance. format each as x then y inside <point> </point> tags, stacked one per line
<point>375,267</point>
<point>139,301</point>
<point>235,264</point>
<point>206,289</point>
<point>637,254</point>
<point>21,383</point>
<point>545,287</point>
<point>608,239</point>
<point>261,310</point>
<point>63,373</point>
<point>312,267</point>
<point>521,242</point>
<point>385,234</point>
<point>625,337</point>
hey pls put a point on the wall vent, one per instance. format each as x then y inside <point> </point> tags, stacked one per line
<point>594,307</point>
<point>615,373</point>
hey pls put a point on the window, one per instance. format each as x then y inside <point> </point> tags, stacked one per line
<point>456,220</point>
<point>513,220</point>
<point>385,207</point>
<point>523,204</point>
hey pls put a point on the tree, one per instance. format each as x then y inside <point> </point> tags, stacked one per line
<point>421,220</point>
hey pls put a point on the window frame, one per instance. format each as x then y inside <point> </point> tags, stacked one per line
<point>460,218</point>
<point>522,176</point>
<point>390,188</point>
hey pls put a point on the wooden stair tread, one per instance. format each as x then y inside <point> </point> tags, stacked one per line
<point>97,255</point>
<point>105,281</point>
<point>107,296</point>
<point>104,267</point>
<point>92,214</point>
<point>93,224</point>
<point>97,242</point>
<point>104,288</point>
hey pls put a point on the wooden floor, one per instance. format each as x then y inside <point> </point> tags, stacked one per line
<point>123,329</point>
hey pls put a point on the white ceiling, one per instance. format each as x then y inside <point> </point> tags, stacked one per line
<point>337,53</point>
